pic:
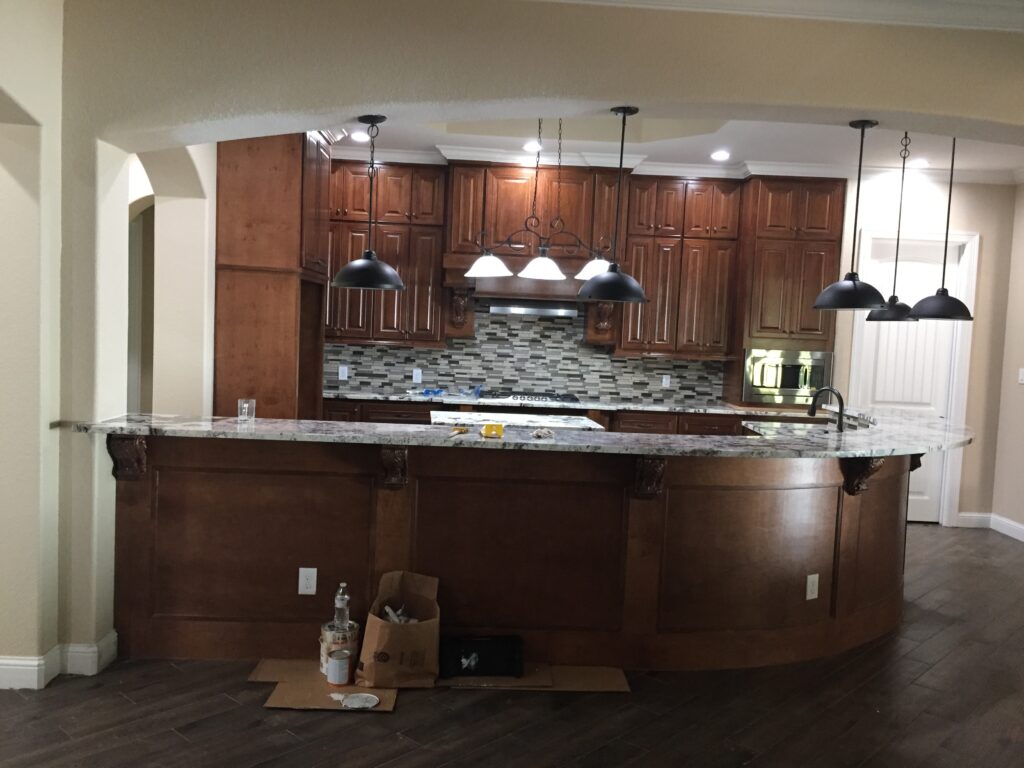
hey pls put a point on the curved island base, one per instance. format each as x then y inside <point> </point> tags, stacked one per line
<point>639,561</point>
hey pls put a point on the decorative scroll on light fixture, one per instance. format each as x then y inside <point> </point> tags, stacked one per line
<point>369,272</point>
<point>895,310</point>
<point>613,285</point>
<point>851,292</point>
<point>942,306</point>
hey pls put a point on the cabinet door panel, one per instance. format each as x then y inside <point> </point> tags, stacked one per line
<point>640,421</point>
<point>671,205</point>
<point>509,193</point>
<point>606,184</point>
<point>573,200</point>
<point>394,194</point>
<point>428,195</point>
<point>717,304</point>
<point>637,255</point>
<point>315,185</point>
<point>643,200</point>
<point>661,284</point>
<point>704,304</point>
<point>821,211</point>
<point>355,192</point>
<point>725,219</point>
<point>776,209</point>
<point>349,311</point>
<point>466,216</point>
<point>390,307</point>
<point>769,294</point>
<point>699,204</point>
<point>423,283</point>
<point>814,266</point>
<point>337,188</point>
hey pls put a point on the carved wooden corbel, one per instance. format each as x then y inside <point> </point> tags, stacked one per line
<point>856,472</point>
<point>396,467</point>
<point>129,455</point>
<point>457,307</point>
<point>603,315</point>
<point>650,477</point>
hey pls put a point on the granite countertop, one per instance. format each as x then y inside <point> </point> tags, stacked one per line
<point>895,433</point>
<point>532,420</point>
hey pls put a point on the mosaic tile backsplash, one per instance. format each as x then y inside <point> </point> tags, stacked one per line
<point>528,353</point>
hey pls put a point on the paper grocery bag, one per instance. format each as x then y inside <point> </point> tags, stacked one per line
<point>401,655</point>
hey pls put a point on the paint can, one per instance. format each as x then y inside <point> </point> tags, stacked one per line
<point>339,667</point>
<point>335,640</point>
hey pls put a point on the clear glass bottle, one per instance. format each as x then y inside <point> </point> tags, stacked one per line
<point>341,632</point>
<point>341,613</point>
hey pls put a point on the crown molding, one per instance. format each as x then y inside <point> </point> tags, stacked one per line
<point>700,170</point>
<point>755,168</point>
<point>416,157</point>
<point>487,155</point>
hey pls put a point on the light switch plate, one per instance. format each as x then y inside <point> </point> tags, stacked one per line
<point>812,586</point>
<point>342,373</point>
<point>417,375</point>
<point>307,581</point>
<point>1020,375</point>
<point>666,381</point>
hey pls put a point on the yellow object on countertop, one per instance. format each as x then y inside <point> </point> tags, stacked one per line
<point>493,430</point>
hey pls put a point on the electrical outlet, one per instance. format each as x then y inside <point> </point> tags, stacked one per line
<point>666,382</point>
<point>417,375</point>
<point>342,373</point>
<point>812,586</point>
<point>307,581</point>
<point>1020,375</point>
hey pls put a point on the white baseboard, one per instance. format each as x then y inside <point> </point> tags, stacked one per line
<point>973,520</point>
<point>70,659</point>
<point>1008,527</point>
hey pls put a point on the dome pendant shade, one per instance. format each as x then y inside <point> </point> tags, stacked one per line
<point>542,267</point>
<point>593,268</point>
<point>489,265</point>
<point>894,311</point>
<point>850,293</point>
<point>613,286</point>
<point>941,306</point>
<point>368,273</point>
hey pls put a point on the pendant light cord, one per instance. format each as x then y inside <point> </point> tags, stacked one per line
<point>856,204</point>
<point>536,171</point>
<point>558,182</point>
<point>618,189</point>
<point>949,209</point>
<point>904,153</point>
<point>371,171</point>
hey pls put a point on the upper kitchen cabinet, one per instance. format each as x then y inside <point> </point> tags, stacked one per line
<point>350,191</point>
<point>393,187</point>
<point>705,280</point>
<point>348,312</point>
<point>316,184</point>
<point>606,186</point>
<point>508,195</point>
<point>712,209</point>
<point>428,188</point>
<point>656,206</point>
<point>650,328</point>
<point>799,209</point>
<point>568,195</point>
<point>466,208</point>
<point>405,194</point>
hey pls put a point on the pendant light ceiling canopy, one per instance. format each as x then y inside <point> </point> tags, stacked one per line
<point>369,272</point>
<point>895,310</point>
<point>942,306</point>
<point>613,285</point>
<point>851,292</point>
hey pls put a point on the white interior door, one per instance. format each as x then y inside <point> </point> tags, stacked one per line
<point>907,365</point>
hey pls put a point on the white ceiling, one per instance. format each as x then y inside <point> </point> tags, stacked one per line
<point>1002,15</point>
<point>755,147</point>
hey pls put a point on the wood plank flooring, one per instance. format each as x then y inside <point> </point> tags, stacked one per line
<point>947,690</point>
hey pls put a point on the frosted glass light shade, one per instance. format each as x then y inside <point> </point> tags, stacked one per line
<point>489,265</point>
<point>542,268</point>
<point>593,268</point>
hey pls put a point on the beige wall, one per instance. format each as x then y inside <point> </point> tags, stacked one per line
<point>30,93</point>
<point>987,210</point>
<point>1008,494</point>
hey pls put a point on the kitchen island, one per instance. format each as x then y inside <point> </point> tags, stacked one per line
<point>641,551</point>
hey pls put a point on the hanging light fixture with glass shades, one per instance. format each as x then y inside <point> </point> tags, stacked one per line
<point>851,292</point>
<point>895,310</point>
<point>942,306</point>
<point>369,272</point>
<point>612,284</point>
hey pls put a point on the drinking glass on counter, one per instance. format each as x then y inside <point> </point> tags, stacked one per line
<point>246,410</point>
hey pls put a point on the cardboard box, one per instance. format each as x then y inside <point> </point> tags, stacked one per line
<point>301,685</point>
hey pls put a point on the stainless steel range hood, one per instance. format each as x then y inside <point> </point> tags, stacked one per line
<point>529,308</point>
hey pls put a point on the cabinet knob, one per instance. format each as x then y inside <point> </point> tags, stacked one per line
<point>650,226</point>
<point>408,215</point>
<point>715,229</point>
<point>412,215</point>
<point>707,229</point>
<point>345,211</point>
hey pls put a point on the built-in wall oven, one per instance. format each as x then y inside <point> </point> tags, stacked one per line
<point>785,377</point>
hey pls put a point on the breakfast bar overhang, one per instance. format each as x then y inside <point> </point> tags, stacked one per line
<point>664,552</point>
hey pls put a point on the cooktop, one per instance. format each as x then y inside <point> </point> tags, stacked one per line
<point>519,396</point>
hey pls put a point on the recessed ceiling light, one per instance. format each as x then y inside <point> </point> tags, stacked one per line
<point>721,155</point>
<point>361,136</point>
<point>532,146</point>
<point>918,162</point>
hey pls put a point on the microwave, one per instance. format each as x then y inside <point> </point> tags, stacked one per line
<point>785,377</point>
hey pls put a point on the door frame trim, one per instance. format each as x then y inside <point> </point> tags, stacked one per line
<point>963,284</point>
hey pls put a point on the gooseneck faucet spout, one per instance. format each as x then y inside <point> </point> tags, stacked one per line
<point>813,409</point>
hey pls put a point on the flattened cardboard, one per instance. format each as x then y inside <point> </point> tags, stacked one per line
<point>279,670</point>
<point>535,675</point>
<point>304,694</point>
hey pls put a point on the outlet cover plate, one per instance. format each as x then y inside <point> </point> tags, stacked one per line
<point>812,586</point>
<point>342,373</point>
<point>307,581</point>
<point>417,375</point>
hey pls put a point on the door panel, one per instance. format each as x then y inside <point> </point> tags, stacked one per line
<point>349,310</point>
<point>704,303</point>
<point>821,211</point>
<point>643,194</point>
<point>355,192</point>
<point>815,265</point>
<point>508,195</point>
<point>577,207</point>
<point>423,286</point>
<point>605,188</point>
<point>776,209</point>
<point>671,204</point>
<point>394,194</point>
<point>699,202</point>
<point>638,253</point>
<point>661,284</point>
<point>428,195</point>
<point>466,218</point>
<point>725,220</point>
<point>389,309</point>
<point>769,312</point>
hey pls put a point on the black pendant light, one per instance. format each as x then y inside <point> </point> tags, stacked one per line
<point>851,292</point>
<point>942,306</point>
<point>895,310</point>
<point>614,285</point>
<point>369,272</point>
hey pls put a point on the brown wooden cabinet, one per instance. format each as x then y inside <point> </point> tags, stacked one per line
<point>712,209</point>
<point>786,277</point>
<point>393,189</point>
<point>606,186</point>
<point>466,208</point>
<point>350,191</point>
<point>709,424</point>
<point>348,312</point>
<point>707,269</point>
<point>647,422</point>
<point>799,209</point>
<point>656,206</point>
<point>428,189</point>
<point>316,179</point>
<point>508,193</point>
<point>650,328</point>
<point>569,196</point>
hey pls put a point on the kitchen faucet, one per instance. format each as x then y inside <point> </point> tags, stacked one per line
<point>813,409</point>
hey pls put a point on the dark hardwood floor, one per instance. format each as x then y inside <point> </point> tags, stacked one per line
<point>947,690</point>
